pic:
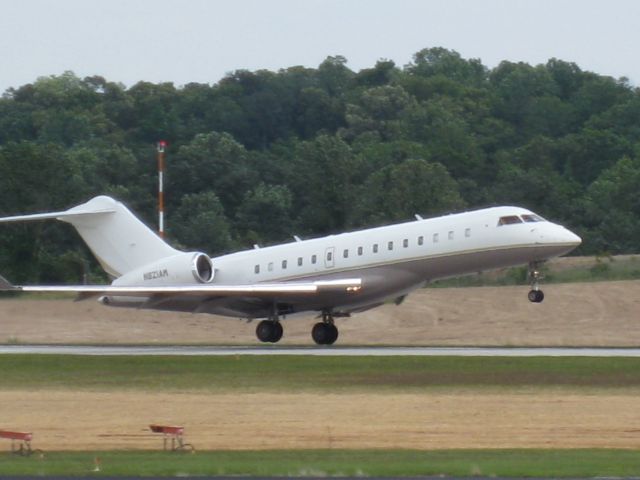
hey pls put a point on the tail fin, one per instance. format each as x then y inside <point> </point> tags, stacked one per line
<point>119,240</point>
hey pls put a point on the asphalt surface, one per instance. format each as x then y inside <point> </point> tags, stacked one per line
<point>319,351</point>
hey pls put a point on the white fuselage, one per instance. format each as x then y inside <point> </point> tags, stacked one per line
<point>391,260</point>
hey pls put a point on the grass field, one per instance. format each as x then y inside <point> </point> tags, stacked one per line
<point>387,375</point>
<point>407,463</point>
<point>306,373</point>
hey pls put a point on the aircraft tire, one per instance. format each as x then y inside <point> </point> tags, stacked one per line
<point>276,333</point>
<point>324,333</point>
<point>536,296</point>
<point>333,334</point>
<point>269,331</point>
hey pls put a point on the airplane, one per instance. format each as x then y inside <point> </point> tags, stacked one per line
<point>335,276</point>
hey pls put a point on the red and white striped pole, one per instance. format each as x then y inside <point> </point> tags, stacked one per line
<point>161,146</point>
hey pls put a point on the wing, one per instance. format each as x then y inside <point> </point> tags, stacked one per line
<point>258,290</point>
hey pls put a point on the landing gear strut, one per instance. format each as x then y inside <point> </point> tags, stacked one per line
<point>535,294</point>
<point>325,332</point>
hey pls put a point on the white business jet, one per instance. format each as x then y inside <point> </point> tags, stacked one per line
<point>335,276</point>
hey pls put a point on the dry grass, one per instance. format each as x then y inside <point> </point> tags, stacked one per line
<point>103,421</point>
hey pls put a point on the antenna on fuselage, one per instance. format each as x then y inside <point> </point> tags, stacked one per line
<point>418,216</point>
<point>297,238</point>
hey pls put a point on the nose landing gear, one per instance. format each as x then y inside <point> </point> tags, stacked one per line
<point>535,294</point>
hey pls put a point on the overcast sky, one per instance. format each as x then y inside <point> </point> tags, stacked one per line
<point>202,40</point>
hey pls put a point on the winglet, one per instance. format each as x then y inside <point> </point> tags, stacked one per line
<point>5,286</point>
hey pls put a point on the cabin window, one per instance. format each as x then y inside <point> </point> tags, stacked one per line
<point>467,232</point>
<point>284,264</point>
<point>299,261</point>
<point>360,250</point>
<point>435,238</point>
<point>256,269</point>
<point>509,220</point>
<point>390,246</point>
<point>270,267</point>
<point>420,240</point>
<point>314,259</point>
<point>451,235</point>
<point>329,256</point>
<point>405,243</point>
<point>532,218</point>
<point>345,254</point>
<point>375,248</point>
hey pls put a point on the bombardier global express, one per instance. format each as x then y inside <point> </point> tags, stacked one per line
<point>334,276</point>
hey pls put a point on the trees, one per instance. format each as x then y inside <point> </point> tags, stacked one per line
<point>199,223</point>
<point>612,208</point>
<point>397,192</point>
<point>260,155</point>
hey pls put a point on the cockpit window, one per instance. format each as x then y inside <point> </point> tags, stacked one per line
<point>509,220</point>
<point>532,218</point>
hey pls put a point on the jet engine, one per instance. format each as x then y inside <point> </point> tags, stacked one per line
<point>181,269</point>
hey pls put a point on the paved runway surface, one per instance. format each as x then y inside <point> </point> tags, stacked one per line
<point>321,351</point>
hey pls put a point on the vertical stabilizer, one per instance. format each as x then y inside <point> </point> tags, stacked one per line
<point>119,240</point>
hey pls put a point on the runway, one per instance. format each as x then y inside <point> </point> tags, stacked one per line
<point>319,351</point>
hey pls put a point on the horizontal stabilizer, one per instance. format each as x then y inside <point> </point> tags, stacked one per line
<point>5,286</point>
<point>53,215</point>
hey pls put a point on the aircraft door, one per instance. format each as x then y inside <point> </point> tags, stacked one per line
<point>330,257</point>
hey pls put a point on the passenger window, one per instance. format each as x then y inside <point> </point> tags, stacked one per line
<point>314,259</point>
<point>467,232</point>
<point>405,243</point>
<point>375,248</point>
<point>509,220</point>
<point>299,261</point>
<point>451,235</point>
<point>435,238</point>
<point>256,269</point>
<point>420,240</point>
<point>390,245</point>
<point>360,250</point>
<point>284,264</point>
<point>345,254</point>
<point>270,267</point>
<point>329,256</point>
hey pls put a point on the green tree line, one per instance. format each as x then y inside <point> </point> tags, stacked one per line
<point>260,156</point>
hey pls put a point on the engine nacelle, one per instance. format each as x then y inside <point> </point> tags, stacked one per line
<point>182,269</point>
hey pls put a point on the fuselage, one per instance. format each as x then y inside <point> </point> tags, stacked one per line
<point>391,260</point>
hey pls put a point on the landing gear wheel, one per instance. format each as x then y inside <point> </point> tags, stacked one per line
<point>269,331</point>
<point>324,333</point>
<point>536,296</point>
<point>535,275</point>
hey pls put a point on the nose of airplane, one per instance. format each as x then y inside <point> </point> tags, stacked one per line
<point>571,238</point>
<point>557,239</point>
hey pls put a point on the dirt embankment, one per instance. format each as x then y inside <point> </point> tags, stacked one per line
<point>579,314</point>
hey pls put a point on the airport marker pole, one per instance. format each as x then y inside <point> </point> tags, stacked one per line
<point>161,146</point>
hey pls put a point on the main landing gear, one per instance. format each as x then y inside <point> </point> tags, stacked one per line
<point>269,331</point>
<point>325,332</point>
<point>535,294</point>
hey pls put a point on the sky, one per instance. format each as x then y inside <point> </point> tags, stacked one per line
<point>184,41</point>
